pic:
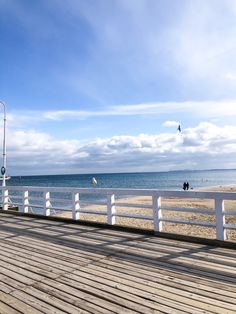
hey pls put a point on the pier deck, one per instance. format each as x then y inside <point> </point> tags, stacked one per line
<point>49,266</point>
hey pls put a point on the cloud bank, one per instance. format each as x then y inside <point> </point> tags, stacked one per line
<point>202,147</point>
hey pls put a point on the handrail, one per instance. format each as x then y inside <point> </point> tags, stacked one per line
<point>78,207</point>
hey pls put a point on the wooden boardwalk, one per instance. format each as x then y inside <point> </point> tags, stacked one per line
<point>49,266</point>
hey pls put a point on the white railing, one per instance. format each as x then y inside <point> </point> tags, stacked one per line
<point>48,201</point>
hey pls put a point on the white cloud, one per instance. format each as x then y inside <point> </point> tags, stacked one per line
<point>204,146</point>
<point>231,76</point>
<point>206,109</point>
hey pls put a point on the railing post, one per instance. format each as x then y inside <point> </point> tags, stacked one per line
<point>157,214</point>
<point>47,204</point>
<point>25,201</point>
<point>75,206</point>
<point>220,219</point>
<point>5,200</point>
<point>111,219</point>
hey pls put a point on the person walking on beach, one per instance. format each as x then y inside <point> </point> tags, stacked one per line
<point>187,185</point>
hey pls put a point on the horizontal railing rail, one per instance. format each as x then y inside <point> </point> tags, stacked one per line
<point>50,200</point>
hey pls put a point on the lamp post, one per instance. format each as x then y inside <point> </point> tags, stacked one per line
<point>3,169</point>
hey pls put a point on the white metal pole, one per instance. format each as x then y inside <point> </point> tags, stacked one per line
<point>4,154</point>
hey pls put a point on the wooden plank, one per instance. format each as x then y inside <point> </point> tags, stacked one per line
<point>195,254</point>
<point>124,291</point>
<point>214,251</point>
<point>151,301</point>
<point>149,251</point>
<point>95,270</point>
<point>36,305</point>
<point>150,283</point>
<point>44,300</point>
<point>165,277</point>
<point>6,309</point>
<point>15,274</point>
<point>13,224</point>
<point>26,265</point>
<point>59,244</point>
<point>4,287</point>
<point>31,264</point>
<point>175,265</point>
<point>19,272</point>
<point>19,306</point>
<point>80,298</point>
<point>169,273</point>
<point>80,257</point>
<point>182,246</point>
<point>12,283</point>
<point>41,258</point>
<point>115,295</point>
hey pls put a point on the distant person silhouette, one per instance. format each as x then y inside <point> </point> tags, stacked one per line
<point>184,186</point>
<point>187,185</point>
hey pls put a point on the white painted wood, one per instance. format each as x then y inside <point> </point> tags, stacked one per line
<point>230,212</point>
<point>75,206</point>
<point>5,199</point>
<point>35,198</point>
<point>92,212</point>
<point>25,206</point>
<point>47,204</point>
<point>128,215</point>
<point>33,205</point>
<point>111,212</point>
<point>111,219</point>
<point>220,219</point>
<point>230,226</point>
<point>189,222</point>
<point>189,210</point>
<point>157,213</point>
<point>61,209</point>
<point>16,204</point>
<point>142,206</point>
<point>93,202</point>
<point>58,200</point>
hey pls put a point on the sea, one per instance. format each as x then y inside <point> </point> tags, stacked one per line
<point>171,180</point>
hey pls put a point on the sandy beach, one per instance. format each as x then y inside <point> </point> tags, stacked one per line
<point>176,228</point>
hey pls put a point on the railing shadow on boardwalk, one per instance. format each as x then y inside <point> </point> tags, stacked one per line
<point>158,253</point>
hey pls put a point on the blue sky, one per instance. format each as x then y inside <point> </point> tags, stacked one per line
<point>101,85</point>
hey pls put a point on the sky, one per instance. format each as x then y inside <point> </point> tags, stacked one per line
<point>98,86</point>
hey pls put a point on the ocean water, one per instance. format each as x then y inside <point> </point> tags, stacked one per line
<point>149,180</point>
<point>152,180</point>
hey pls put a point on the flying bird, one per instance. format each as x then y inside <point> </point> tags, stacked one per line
<point>179,128</point>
